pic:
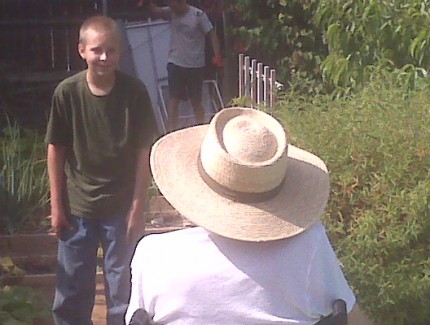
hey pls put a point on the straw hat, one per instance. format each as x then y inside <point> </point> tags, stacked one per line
<point>238,177</point>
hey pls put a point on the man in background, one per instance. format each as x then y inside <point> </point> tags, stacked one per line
<point>186,58</point>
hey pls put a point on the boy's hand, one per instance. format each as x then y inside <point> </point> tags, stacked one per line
<point>135,226</point>
<point>59,222</point>
<point>217,60</point>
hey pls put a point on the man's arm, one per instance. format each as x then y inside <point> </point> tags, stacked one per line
<point>56,161</point>
<point>136,222</point>
<point>217,59</point>
<point>358,317</point>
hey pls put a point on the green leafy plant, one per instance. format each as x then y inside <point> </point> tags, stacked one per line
<point>280,34</point>
<point>366,33</point>
<point>23,180</point>
<point>21,305</point>
<point>375,144</point>
<point>330,46</point>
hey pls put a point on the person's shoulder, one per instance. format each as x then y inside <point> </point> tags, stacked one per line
<point>167,10</point>
<point>71,82</point>
<point>311,236</point>
<point>316,230</point>
<point>174,238</point>
<point>184,232</point>
<point>76,78</point>
<point>130,82</point>
<point>200,16</point>
<point>196,11</point>
<point>154,247</point>
<point>123,76</point>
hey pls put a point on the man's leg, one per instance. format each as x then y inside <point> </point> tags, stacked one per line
<point>117,257</point>
<point>173,118</point>
<point>76,274</point>
<point>199,112</point>
<point>194,79</point>
<point>177,92</point>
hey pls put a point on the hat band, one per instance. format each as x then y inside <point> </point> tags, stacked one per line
<point>243,197</point>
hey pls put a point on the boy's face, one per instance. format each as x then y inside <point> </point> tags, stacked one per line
<point>101,51</point>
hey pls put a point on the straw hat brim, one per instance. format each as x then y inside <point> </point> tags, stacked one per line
<point>299,204</point>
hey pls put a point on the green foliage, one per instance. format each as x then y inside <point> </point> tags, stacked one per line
<point>23,180</point>
<point>376,146</point>
<point>242,101</point>
<point>334,45</point>
<point>365,33</point>
<point>281,34</point>
<point>21,305</point>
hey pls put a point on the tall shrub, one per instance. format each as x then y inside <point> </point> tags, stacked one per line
<point>376,146</point>
<point>364,33</point>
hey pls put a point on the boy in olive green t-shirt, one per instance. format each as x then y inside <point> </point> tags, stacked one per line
<point>99,135</point>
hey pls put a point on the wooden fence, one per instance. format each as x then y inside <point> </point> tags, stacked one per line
<point>257,82</point>
<point>42,35</point>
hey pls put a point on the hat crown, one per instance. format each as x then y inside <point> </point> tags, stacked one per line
<point>248,141</point>
<point>244,150</point>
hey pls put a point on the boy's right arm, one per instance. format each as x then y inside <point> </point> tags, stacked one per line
<point>56,162</point>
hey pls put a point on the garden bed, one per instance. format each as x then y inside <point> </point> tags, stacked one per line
<point>30,259</point>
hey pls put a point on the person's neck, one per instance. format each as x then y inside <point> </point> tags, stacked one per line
<point>100,85</point>
<point>183,9</point>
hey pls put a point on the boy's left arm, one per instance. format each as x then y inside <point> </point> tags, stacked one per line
<point>135,217</point>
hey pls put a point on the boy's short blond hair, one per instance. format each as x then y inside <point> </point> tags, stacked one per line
<point>99,24</point>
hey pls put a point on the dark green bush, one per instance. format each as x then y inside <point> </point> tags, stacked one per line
<point>21,305</point>
<point>376,146</point>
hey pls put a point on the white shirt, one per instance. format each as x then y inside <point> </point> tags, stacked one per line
<point>187,38</point>
<point>192,276</point>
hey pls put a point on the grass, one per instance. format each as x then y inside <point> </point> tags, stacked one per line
<point>23,181</point>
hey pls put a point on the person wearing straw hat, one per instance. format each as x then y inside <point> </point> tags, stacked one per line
<point>259,253</point>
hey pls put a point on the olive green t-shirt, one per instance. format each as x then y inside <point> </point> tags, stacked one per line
<point>102,136</point>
